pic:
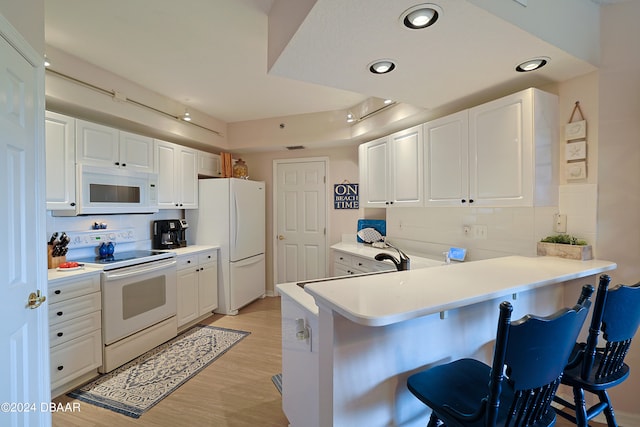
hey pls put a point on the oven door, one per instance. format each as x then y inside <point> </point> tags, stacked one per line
<point>136,297</point>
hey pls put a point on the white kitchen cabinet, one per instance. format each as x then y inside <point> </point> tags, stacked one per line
<point>60,161</point>
<point>197,287</point>
<point>101,145</point>
<point>502,153</point>
<point>177,176</point>
<point>391,170</point>
<point>209,165</point>
<point>75,334</point>
<point>345,264</point>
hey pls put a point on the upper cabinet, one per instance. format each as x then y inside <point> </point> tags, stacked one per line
<point>502,153</point>
<point>391,170</point>
<point>60,161</point>
<point>177,176</point>
<point>105,146</point>
<point>209,165</point>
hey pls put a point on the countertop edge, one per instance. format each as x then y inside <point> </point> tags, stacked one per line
<point>358,316</point>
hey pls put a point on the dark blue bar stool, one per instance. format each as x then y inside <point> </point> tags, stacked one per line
<point>616,313</point>
<point>517,390</point>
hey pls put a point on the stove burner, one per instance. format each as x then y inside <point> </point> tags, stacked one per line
<point>125,259</point>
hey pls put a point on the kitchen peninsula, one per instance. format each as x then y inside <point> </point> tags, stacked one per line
<point>349,344</point>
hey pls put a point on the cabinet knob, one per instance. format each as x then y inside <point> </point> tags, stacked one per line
<point>60,368</point>
<point>124,165</point>
<point>59,313</point>
<point>470,200</point>
<point>57,292</point>
<point>188,261</point>
<point>463,201</point>
<point>117,163</point>
<point>60,334</point>
<point>72,203</point>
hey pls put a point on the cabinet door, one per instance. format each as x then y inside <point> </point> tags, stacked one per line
<point>97,144</point>
<point>406,167</point>
<point>165,157</point>
<point>136,152</point>
<point>374,173</point>
<point>60,161</point>
<point>500,149</point>
<point>187,298</point>
<point>207,288</point>
<point>446,160</point>
<point>188,176</point>
<point>208,164</point>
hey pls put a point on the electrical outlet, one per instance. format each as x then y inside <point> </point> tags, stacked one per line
<point>466,229</point>
<point>479,231</point>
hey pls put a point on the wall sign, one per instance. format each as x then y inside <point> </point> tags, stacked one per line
<point>345,196</point>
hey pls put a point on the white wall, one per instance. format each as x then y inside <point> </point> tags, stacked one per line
<point>619,166</point>
<point>343,165</point>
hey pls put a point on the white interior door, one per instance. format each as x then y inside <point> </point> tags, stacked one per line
<point>24,350</point>
<point>301,220</point>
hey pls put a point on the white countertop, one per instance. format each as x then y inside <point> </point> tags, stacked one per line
<point>187,250</point>
<point>54,274</point>
<point>368,251</point>
<point>383,299</point>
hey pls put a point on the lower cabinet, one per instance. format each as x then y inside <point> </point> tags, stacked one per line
<point>197,287</point>
<point>345,264</point>
<point>75,331</point>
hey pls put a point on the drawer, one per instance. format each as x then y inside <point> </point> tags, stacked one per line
<point>342,258</point>
<point>73,287</point>
<point>74,307</point>
<point>207,257</point>
<point>187,261</point>
<point>73,328</point>
<point>75,358</point>
<point>361,263</point>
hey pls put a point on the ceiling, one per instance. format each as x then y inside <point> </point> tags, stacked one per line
<point>211,55</point>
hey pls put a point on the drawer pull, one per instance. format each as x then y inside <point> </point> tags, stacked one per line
<point>60,334</point>
<point>188,261</point>
<point>57,292</point>
<point>60,368</point>
<point>59,313</point>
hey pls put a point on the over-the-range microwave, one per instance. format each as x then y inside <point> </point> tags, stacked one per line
<point>105,190</point>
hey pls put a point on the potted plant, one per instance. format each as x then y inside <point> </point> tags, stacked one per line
<point>565,246</point>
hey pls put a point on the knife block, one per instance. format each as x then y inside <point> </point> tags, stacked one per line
<point>54,261</point>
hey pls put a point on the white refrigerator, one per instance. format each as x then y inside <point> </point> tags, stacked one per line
<point>231,214</point>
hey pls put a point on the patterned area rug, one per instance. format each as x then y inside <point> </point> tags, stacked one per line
<point>138,385</point>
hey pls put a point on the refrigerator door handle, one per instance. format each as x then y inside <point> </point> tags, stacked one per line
<point>235,221</point>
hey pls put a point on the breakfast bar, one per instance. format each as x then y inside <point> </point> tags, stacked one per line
<point>349,344</point>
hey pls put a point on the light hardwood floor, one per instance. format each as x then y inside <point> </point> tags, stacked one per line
<point>234,391</point>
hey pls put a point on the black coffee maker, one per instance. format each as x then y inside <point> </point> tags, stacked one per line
<point>169,233</point>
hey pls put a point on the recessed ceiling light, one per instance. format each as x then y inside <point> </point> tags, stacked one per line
<point>420,16</point>
<point>382,66</point>
<point>532,64</point>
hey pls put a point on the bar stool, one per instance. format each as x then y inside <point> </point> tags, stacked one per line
<point>517,390</point>
<point>616,313</point>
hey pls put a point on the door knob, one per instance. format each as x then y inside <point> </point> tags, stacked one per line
<point>280,237</point>
<point>35,299</point>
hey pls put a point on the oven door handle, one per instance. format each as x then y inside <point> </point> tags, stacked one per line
<point>136,270</point>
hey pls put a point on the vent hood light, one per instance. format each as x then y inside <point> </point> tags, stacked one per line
<point>532,64</point>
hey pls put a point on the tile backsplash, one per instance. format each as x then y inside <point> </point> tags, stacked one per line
<point>503,231</point>
<point>485,232</point>
<point>142,223</point>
